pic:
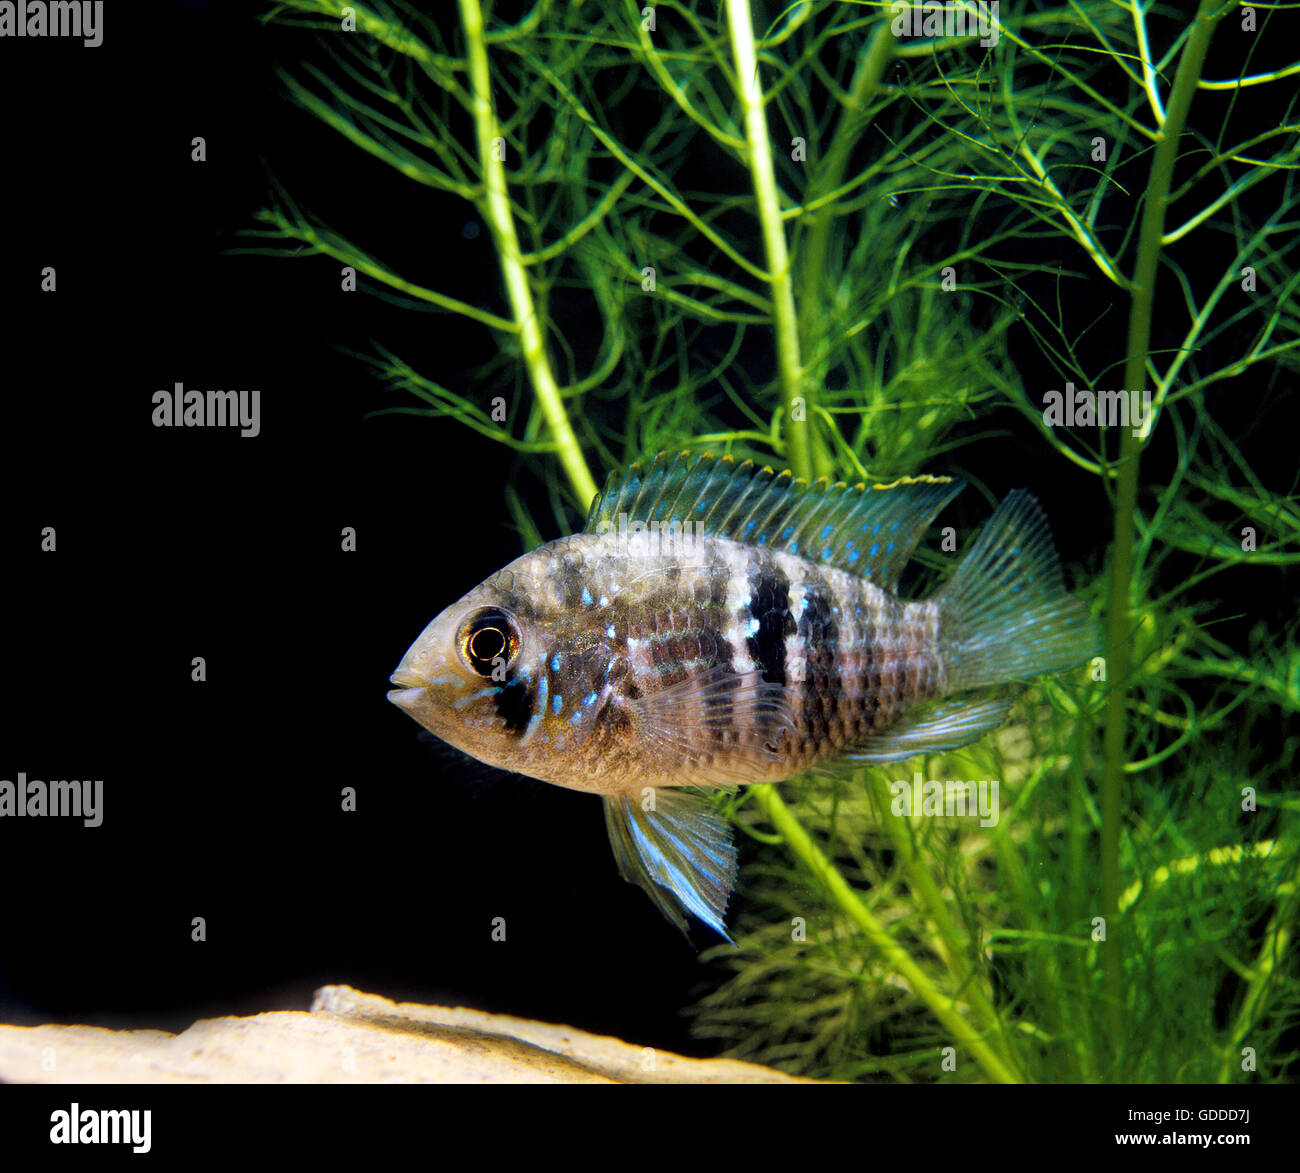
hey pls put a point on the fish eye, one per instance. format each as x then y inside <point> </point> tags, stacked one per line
<point>486,636</point>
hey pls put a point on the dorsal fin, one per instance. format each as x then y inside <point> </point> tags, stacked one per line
<point>869,532</point>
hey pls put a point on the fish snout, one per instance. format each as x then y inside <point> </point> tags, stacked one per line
<point>406,698</point>
<point>416,686</point>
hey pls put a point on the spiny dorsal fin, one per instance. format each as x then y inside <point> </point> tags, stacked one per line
<point>870,532</point>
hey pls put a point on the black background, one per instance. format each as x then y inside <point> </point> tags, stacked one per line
<point>222,799</point>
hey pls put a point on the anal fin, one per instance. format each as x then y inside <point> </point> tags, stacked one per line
<point>681,852</point>
<point>947,724</point>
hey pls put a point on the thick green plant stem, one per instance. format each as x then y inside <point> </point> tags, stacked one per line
<point>952,939</point>
<point>818,223</point>
<point>1262,983</point>
<point>941,1006</point>
<point>495,209</point>
<point>1118,626</point>
<point>795,396</point>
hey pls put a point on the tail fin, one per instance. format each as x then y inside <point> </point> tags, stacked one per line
<point>1005,614</point>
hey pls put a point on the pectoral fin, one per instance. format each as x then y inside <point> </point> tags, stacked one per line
<point>720,728</point>
<point>680,851</point>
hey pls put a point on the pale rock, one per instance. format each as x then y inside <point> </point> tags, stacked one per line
<point>351,1037</point>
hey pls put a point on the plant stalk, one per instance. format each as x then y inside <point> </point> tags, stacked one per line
<point>1118,627</point>
<point>876,56</point>
<point>795,397</point>
<point>495,209</point>
<point>941,1006</point>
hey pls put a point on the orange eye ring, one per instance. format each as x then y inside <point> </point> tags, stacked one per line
<point>488,638</point>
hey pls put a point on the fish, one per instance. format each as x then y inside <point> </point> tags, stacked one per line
<point>717,624</point>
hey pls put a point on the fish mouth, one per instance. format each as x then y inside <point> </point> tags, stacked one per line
<point>405,698</point>
<point>412,688</point>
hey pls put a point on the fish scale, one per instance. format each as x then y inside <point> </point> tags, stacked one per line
<point>849,657</point>
<point>717,624</point>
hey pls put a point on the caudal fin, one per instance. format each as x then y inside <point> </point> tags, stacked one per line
<point>1005,614</point>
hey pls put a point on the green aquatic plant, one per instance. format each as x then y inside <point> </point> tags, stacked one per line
<point>794,234</point>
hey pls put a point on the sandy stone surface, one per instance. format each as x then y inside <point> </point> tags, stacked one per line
<point>352,1037</point>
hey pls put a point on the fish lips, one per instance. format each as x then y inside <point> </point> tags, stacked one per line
<point>407,698</point>
<point>413,690</point>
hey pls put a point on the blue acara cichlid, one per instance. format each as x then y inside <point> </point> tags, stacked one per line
<point>716,624</point>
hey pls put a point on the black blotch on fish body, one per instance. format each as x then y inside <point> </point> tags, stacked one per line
<point>514,704</point>
<point>820,633</point>
<point>770,606</point>
<point>723,703</point>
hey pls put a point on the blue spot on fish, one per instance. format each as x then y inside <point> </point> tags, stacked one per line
<point>557,703</point>
<point>586,597</point>
<point>555,662</point>
<point>609,632</point>
<point>854,555</point>
<point>589,699</point>
<point>875,549</point>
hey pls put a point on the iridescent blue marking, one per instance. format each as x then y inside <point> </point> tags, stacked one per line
<point>875,549</point>
<point>827,531</point>
<point>534,723</point>
<point>555,662</point>
<point>482,692</point>
<point>557,703</point>
<point>609,632</point>
<point>586,597</point>
<point>589,700</point>
<point>853,555</point>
